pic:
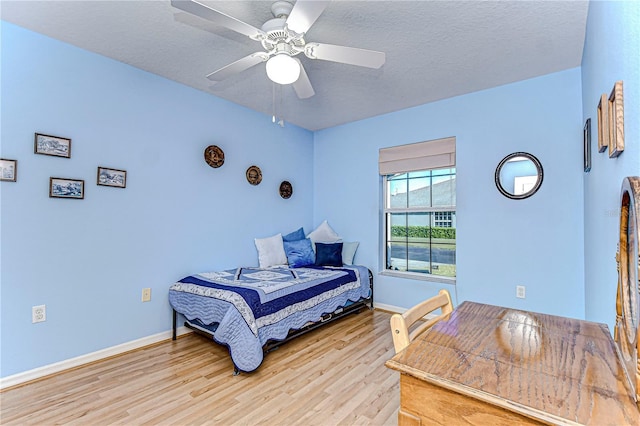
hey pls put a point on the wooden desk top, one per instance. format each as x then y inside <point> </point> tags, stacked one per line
<point>554,369</point>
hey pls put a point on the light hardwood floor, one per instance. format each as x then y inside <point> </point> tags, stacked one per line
<point>332,376</point>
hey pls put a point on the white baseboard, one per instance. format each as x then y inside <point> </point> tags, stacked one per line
<point>47,370</point>
<point>399,310</point>
<point>37,373</point>
<point>389,308</point>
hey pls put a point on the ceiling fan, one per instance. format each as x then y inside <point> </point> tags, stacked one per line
<point>282,39</point>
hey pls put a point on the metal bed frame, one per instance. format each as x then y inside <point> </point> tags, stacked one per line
<point>271,344</point>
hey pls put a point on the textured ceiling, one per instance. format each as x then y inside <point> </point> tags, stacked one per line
<point>434,49</point>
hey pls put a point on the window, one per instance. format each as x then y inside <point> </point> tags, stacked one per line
<point>444,219</point>
<point>420,222</point>
<point>420,209</point>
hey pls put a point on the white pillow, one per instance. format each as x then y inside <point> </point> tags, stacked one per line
<point>323,234</point>
<point>348,252</point>
<point>271,251</point>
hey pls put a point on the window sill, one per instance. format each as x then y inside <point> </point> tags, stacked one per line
<point>419,277</point>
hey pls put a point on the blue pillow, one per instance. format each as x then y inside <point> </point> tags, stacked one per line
<point>329,254</point>
<point>294,236</point>
<point>299,253</point>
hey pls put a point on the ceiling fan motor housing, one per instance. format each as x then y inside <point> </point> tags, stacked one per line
<point>278,35</point>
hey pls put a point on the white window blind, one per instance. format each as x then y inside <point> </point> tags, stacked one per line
<point>434,154</point>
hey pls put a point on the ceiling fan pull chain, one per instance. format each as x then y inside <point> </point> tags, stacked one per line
<point>281,121</point>
<point>273,102</point>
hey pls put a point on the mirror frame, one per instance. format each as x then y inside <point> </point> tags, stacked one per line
<point>533,190</point>
<point>626,330</point>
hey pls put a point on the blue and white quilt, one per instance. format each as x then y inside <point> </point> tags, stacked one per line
<point>252,305</point>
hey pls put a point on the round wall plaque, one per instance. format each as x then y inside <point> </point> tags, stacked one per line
<point>286,190</point>
<point>214,156</point>
<point>254,175</point>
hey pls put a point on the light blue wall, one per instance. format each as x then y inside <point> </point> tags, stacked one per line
<point>611,53</point>
<point>88,260</point>
<point>536,242</point>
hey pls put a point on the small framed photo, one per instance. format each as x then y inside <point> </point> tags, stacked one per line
<point>8,170</point>
<point>66,188</point>
<point>52,145</point>
<point>603,123</point>
<point>112,177</point>
<point>586,140</point>
<point>616,121</point>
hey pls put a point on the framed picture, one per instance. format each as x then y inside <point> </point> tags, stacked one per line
<point>586,140</point>
<point>603,123</point>
<point>616,121</point>
<point>112,177</point>
<point>52,145</point>
<point>66,188</point>
<point>8,169</point>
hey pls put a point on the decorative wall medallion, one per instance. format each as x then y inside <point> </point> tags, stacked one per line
<point>214,156</point>
<point>254,175</point>
<point>286,190</point>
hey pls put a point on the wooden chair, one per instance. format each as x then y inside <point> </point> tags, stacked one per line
<point>402,323</point>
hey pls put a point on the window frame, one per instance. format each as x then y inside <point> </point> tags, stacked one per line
<point>445,221</point>
<point>386,211</point>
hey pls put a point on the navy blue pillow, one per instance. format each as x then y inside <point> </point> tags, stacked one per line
<point>294,236</point>
<point>299,253</point>
<point>329,254</point>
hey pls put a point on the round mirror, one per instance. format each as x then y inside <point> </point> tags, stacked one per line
<point>519,175</point>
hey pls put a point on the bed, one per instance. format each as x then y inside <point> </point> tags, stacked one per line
<point>253,310</point>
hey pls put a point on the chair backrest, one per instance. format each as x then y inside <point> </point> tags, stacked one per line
<point>402,324</point>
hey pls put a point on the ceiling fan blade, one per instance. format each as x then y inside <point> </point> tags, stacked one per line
<point>302,85</point>
<point>238,66</point>
<point>304,14</point>
<point>217,17</point>
<point>345,55</point>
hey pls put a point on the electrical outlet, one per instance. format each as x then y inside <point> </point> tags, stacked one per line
<point>520,291</point>
<point>38,314</point>
<point>146,294</point>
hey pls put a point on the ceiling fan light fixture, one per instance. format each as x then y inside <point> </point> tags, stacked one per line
<point>283,69</point>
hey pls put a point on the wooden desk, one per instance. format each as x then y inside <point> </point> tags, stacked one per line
<point>498,366</point>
